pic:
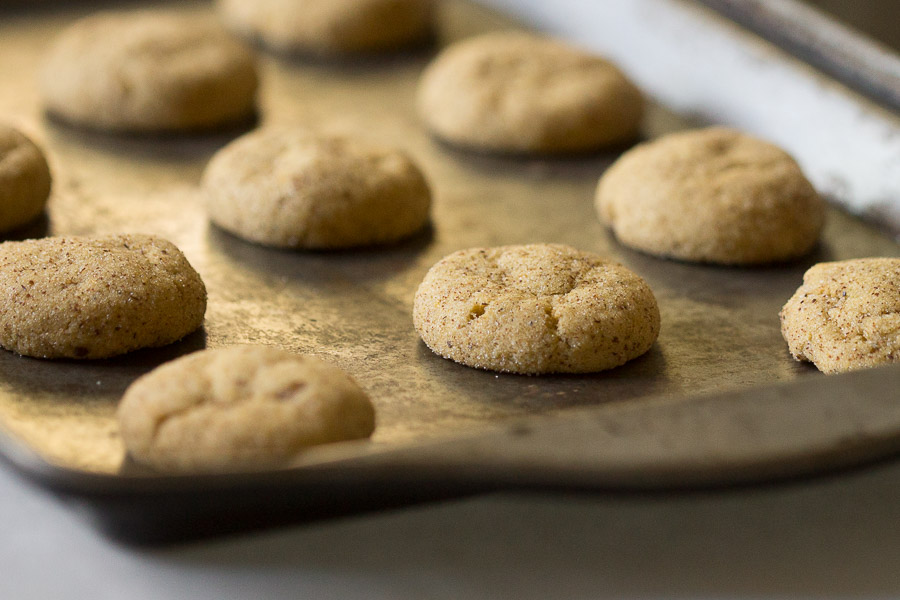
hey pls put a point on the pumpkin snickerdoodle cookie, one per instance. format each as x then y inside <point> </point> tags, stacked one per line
<point>711,195</point>
<point>24,179</point>
<point>521,93</point>
<point>146,71</point>
<point>96,297</point>
<point>239,408</point>
<point>330,27</point>
<point>846,315</point>
<point>539,308</point>
<point>296,188</point>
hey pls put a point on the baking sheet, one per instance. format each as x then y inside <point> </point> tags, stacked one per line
<point>720,328</point>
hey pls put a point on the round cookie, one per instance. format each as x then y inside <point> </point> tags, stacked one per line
<point>711,195</point>
<point>540,308</point>
<point>330,26</point>
<point>296,188</point>
<point>148,72</point>
<point>239,408</point>
<point>520,93</point>
<point>846,315</point>
<point>96,297</point>
<point>24,179</point>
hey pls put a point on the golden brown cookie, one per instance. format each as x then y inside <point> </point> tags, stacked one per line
<point>330,26</point>
<point>146,72</point>
<point>711,195</point>
<point>846,315</point>
<point>24,179</point>
<point>296,188</point>
<point>95,297</point>
<point>539,308</point>
<point>238,409</point>
<point>521,93</point>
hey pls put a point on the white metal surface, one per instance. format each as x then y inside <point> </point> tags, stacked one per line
<point>834,538</point>
<point>700,64</point>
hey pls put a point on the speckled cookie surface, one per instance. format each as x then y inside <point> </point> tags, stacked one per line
<point>80,297</point>
<point>330,26</point>
<point>711,195</point>
<point>539,308</point>
<point>148,71</point>
<point>300,189</point>
<point>846,315</point>
<point>24,179</point>
<point>239,408</point>
<point>520,93</point>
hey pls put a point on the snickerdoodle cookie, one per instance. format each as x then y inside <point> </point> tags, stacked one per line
<point>330,26</point>
<point>846,315</point>
<point>712,195</point>
<point>539,308</point>
<point>239,408</point>
<point>95,297</point>
<point>296,188</point>
<point>521,93</point>
<point>24,179</point>
<point>147,72</point>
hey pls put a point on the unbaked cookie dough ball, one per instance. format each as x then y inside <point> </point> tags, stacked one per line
<point>711,195</point>
<point>846,315</point>
<point>241,408</point>
<point>330,26</point>
<point>24,179</point>
<point>295,188</point>
<point>520,93</point>
<point>539,308</point>
<point>148,72</point>
<point>96,297</point>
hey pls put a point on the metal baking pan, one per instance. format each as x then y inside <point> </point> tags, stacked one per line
<point>716,401</point>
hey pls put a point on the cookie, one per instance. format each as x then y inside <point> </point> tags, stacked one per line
<point>148,72</point>
<point>540,308</point>
<point>846,315</point>
<point>238,409</point>
<point>520,93</point>
<point>295,188</point>
<point>330,26</point>
<point>24,179</point>
<point>95,297</point>
<point>713,196</point>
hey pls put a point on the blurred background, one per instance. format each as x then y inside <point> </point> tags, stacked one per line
<point>880,19</point>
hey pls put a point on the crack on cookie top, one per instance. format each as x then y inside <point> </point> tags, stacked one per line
<point>543,270</point>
